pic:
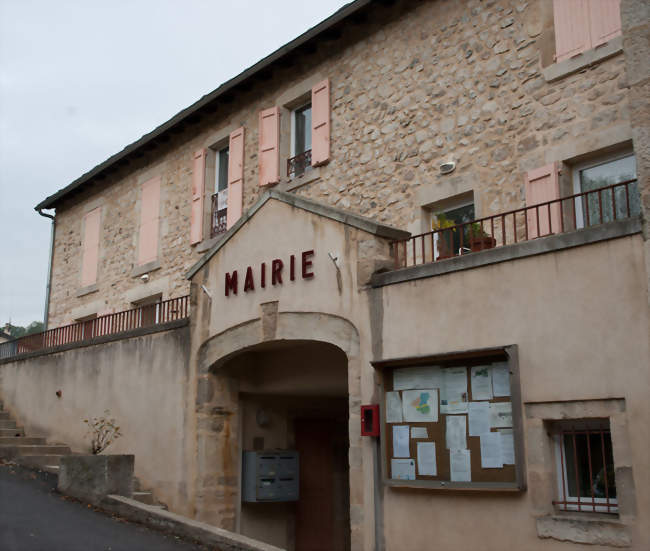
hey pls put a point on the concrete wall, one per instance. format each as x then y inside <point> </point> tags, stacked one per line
<point>460,80</point>
<point>580,320</point>
<point>141,380</point>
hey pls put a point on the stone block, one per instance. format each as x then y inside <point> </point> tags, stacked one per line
<point>90,478</point>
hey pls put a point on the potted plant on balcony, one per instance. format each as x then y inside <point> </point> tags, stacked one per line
<point>479,239</point>
<point>91,477</point>
<point>445,230</point>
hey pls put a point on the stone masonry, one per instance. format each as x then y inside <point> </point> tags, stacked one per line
<point>416,84</point>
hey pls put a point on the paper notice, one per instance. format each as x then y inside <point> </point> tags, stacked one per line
<point>453,393</point>
<point>491,451</point>
<point>481,376</point>
<point>393,407</point>
<point>507,446</point>
<point>420,405</point>
<point>456,435</point>
<point>501,379</point>
<point>460,465</point>
<point>222,199</point>
<point>402,469</point>
<point>419,432</point>
<point>417,377</point>
<point>401,441</point>
<point>501,414</point>
<point>427,459</point>
<point>479,418</point>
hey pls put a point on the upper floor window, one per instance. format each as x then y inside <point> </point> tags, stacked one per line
<point>448,241</point>
<point>220,197</point>
<point>581,25</point>
<point>300,160</point>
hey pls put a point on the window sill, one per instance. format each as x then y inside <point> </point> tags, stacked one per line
<point>580,529</point>
<point>88,289</point>
<point>145,268</point>
<point>590,57</point>
<point>207,244</point>
<point>290,184</point>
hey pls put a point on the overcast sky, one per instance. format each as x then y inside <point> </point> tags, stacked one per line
<point>81,79</point>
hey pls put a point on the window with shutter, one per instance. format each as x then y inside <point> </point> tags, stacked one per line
<point>149,221</point>
<point>542,185</point>
<point>320,123</point>
<point>198,189</point>
<point>90,247</point>
<point>269,138</point>
<point>235,199</point>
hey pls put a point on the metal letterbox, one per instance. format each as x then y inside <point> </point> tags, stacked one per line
<point>270,476</point>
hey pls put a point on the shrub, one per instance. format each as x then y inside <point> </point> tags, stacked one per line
<point>103,432</point>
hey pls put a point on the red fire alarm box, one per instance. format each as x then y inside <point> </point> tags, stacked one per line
<point>370,420</point>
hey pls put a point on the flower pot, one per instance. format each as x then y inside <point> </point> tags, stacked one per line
<point>477,244</point>
<point>90,478</point>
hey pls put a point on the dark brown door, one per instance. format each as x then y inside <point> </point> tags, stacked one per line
<point>322,511</point>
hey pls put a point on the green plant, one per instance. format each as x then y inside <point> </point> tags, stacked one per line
<point>477,230</point>
<point>103,432</point>
<point>441,222</point>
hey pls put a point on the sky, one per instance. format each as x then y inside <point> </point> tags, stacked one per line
<point>79,80</point>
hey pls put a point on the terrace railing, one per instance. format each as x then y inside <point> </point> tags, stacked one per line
<point>574,212</point>
<point>127,320</point>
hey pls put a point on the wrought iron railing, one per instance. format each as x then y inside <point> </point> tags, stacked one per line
<point>219,217</point>
<point>582,210</point>
<point>136,318</point>
<point>299,164</point>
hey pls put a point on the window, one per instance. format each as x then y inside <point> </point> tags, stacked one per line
<point>148,310</point>
<point>87,328</point>
<point>451,213</point>
<point>602,174</point>
<point>220,196</point>
<point>585,466</point>
<point>581,25</point>
<point>149,221</point>
<point>90,247</point>
<point>300,160</point>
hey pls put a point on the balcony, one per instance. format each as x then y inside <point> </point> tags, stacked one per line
<point>575,212</point>
<point>218,221</point>
<point>150,315</point>
<point>298,165</point>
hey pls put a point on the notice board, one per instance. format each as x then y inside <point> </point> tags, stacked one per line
<point>453,421</point>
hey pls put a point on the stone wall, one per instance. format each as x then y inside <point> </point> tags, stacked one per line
<point>417,84</point>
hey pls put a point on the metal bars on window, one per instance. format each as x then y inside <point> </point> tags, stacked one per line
<point>297,165</point>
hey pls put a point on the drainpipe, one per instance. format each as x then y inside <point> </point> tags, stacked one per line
<point>49,268</point>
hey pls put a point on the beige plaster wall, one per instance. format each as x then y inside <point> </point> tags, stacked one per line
<point>580,320</point>
<point>417,84</point>
<point>141,380</point>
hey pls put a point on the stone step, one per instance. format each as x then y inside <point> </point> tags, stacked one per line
<point>10,452</point>
<point>143,497</point>
<point>42,462</point>
<point>20,440</point>
<point>5,415</point>
<point>17,431</point>
<point>7,424</point>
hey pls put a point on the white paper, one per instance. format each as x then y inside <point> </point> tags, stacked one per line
<point>460,465</point>
<point>507,446</point>
<point>401,441</point>
<point>501,379</point>
<point>393,408</point>
<point>417,377</point>
<point>427,459</point>
<point>479,418</point>
<point>501,414</point>
<point>420,405</point>
<point>491,451</point>
<point>402,469</point>
<point>419,432</point>
<point>456,435</point>
<point>222,199</point>
<point>453,393</point>
<point>481,376</point>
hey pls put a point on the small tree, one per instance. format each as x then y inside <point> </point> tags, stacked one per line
<point>103,431</point>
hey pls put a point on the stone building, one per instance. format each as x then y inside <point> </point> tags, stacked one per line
<point>410,195</point>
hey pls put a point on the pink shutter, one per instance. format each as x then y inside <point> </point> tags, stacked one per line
<point>542,185</point>
<point>149,219</point>
<point>235,177</point>
<point>198,190</point>
<point>269,138</point>
<point>90,247</point>
<point>320,123</point>
<point>605,20</point>
<point>571,18</point>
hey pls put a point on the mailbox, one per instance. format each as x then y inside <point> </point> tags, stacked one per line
<point>270,476</point>
<point>370,420</point>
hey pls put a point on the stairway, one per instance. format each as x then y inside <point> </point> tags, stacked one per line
<point>35,453</point>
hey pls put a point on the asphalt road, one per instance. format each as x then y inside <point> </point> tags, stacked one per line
<point>34,517</point>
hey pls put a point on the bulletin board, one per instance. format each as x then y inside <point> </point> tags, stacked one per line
<point>453,421</point>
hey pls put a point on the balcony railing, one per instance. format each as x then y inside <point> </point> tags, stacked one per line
<point>218,218</point>
<point>136,318</point>
<point>299,164</point>
<point>582,210</point>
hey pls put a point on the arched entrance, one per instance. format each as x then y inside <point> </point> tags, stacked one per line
<point>283,394</point>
